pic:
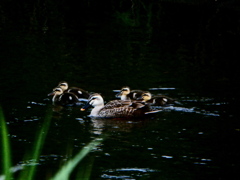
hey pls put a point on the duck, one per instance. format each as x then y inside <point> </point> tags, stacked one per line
<point>127,94</point>
<point>160,100</point>
<point>115,108</point>
<point>80,93</point>
<point>63,98</point>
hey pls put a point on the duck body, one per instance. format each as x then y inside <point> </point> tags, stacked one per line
<point>63,98</point>
<point>126,94</point>
<point>115,109</point>
<point>80,93</point>
<point>160,100</point>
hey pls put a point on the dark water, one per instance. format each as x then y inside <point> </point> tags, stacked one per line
<point>195,139</point>
<point>189,46</point>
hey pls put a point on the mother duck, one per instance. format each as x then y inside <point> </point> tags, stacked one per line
<point>116,108</point>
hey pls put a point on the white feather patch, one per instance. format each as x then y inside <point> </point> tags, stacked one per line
<point>60,97</point>
<point>134,95</point>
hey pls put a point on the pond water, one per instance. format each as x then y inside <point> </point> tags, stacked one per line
<point>195,139</point>
<point>182,49</point>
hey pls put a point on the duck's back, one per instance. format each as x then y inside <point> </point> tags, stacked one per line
<point>116,112</point>
<point>161,100</point>
<point>80,93</point>
<point>128,111</point>
<point>134,94</point>
<point>66,99</point>
<point>117,104</point>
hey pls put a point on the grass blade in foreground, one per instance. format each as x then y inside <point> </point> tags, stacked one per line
<point>28,174</point>
<point>6,153</point>
<point>65,171</point>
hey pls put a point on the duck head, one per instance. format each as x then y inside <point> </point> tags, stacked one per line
<point>145,96</point>
<point>124,91</point>
<point>63,85</point>
<point>56,91</point>
<point>94,100</point>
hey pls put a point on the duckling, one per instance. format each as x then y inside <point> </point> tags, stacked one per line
<point>80,93</point>
<point>159,100</point>
<point>126,94</point>
<point>63,98</point>
<point>120,110</point>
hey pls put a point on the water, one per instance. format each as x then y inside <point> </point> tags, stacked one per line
<point>195,139</point>
<point>177,48</point>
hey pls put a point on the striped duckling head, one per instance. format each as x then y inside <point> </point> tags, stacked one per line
<point>146,96</point>
<point>56,91</point>
<point>63,85</point>
<point>124,91</point>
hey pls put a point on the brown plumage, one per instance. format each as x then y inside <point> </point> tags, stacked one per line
<point>116,108</point>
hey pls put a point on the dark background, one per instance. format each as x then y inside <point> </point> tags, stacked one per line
<point>99,45</point>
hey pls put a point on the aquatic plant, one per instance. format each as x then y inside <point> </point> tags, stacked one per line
<point>29,172</point>
<point>6,151</point>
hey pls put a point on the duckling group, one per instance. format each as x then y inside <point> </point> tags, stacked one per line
<point>132,103</point>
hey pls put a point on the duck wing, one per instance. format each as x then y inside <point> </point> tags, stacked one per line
<point>161,100</point>
<point>80,93</point>
<point>67,99</point>
<point>135,94</point>
<point>117,104</point>
<point>133,110</point>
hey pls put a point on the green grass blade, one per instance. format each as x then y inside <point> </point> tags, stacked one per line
<point>85,168</point>
<point>65,171</point>
<point>28,174</point>
<point>6,153</point>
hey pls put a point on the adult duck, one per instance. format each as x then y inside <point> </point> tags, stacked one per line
<point>116,108</point>
<point>159,100</point>
<point>80,93</point>
<point>63,98</point>
<point>127,94</point>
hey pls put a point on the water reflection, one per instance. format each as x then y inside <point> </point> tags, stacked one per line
<point>117,125</point>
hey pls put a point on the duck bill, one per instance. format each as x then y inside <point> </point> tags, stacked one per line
<point>140,98</point>
<point>51,94</point>
<point>118,94</point>
<point>86,106</point>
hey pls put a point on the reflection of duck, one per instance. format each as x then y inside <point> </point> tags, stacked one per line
<point>80,93</point>
<point>126,94</point>
<point>159,100</point>
<point>116,109</point>
<point>63,98</point>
